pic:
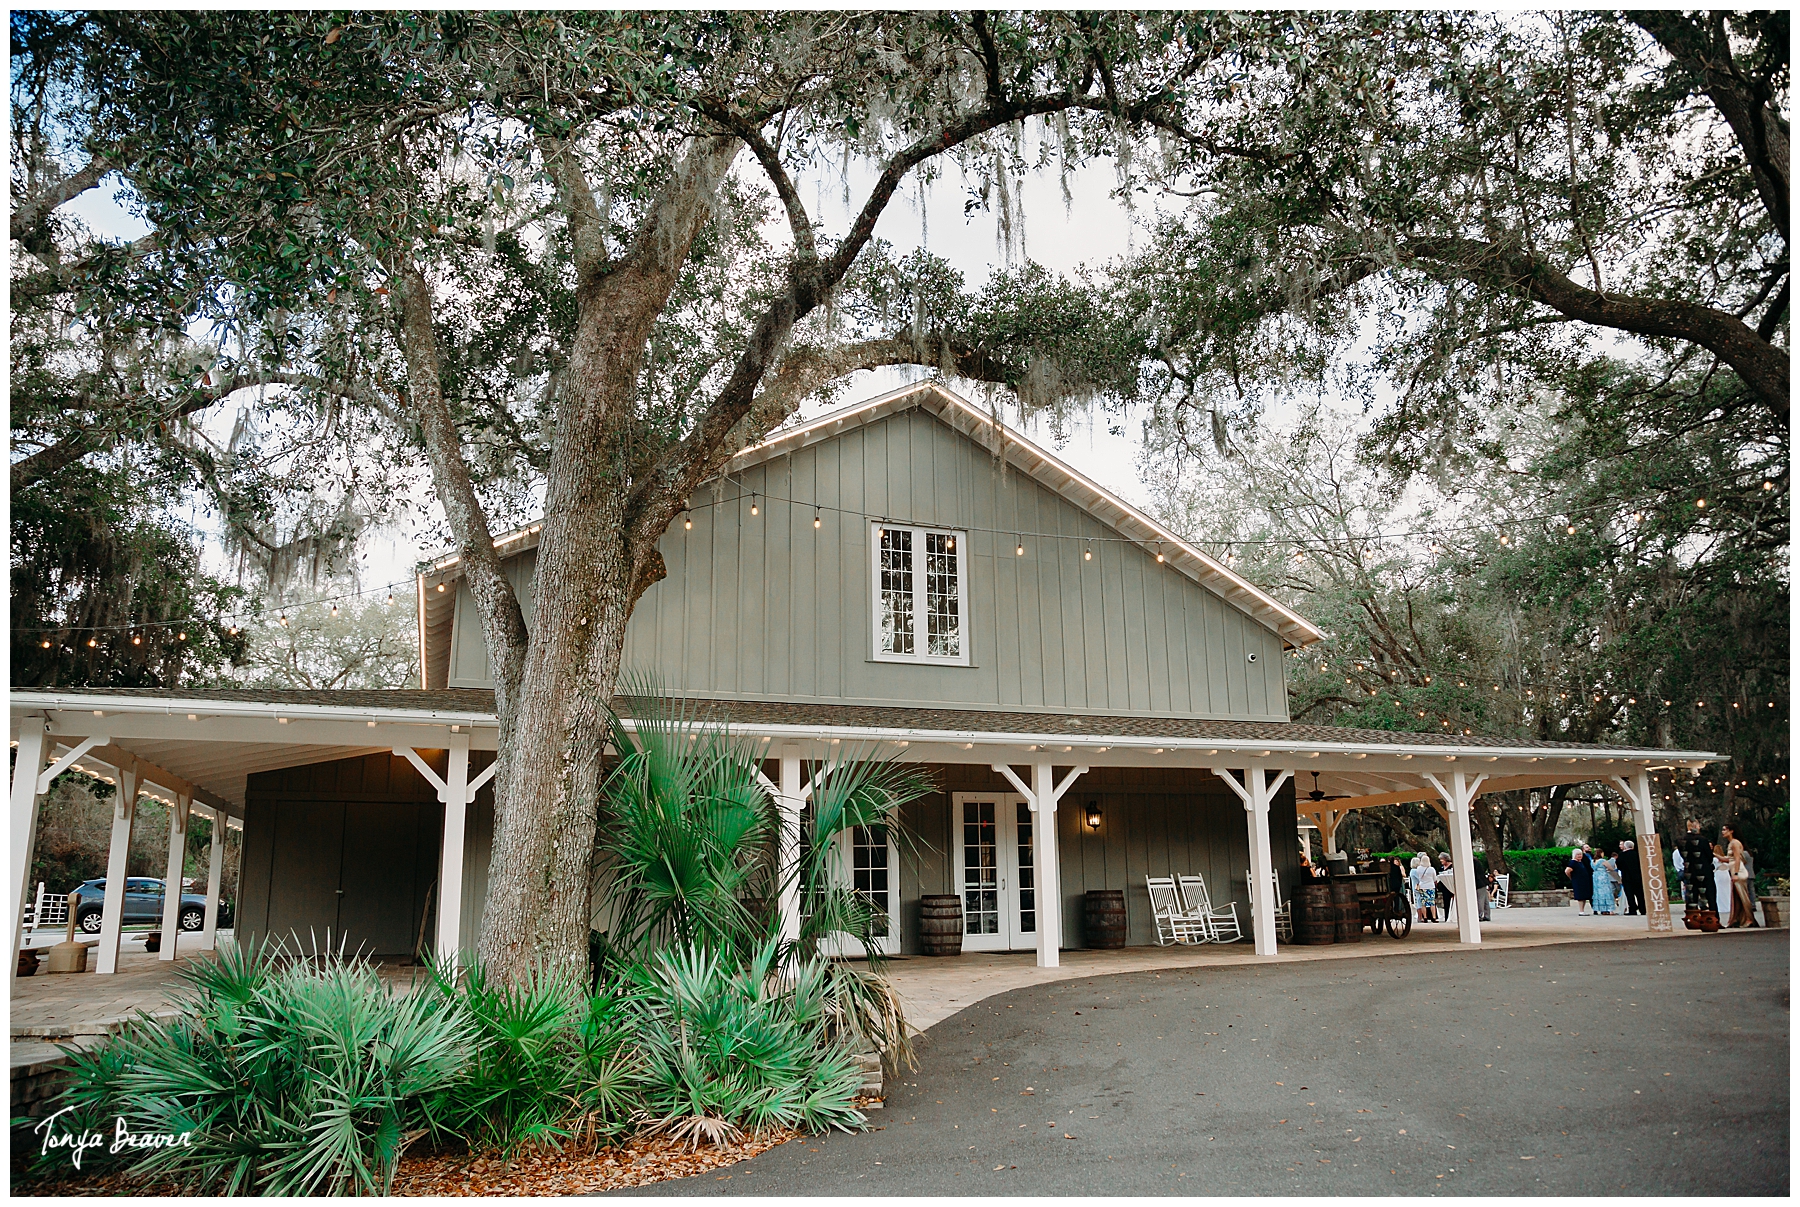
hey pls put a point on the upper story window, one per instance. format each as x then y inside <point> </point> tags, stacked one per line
<point>921,595</point>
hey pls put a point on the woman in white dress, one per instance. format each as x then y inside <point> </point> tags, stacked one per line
<point>1721,879</point>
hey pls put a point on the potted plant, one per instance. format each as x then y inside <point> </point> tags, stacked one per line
<point>1775,901</point>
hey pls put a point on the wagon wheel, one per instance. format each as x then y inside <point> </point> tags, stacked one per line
<point>1400,919</point>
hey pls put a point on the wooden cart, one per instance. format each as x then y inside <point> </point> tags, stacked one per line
<point>1382,908</point>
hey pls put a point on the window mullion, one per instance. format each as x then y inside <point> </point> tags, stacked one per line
<point>921,607</point>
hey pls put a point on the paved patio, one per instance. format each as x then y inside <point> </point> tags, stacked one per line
<point>935,988</point>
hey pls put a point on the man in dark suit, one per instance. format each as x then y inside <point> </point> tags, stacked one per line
<point>1631,877</point>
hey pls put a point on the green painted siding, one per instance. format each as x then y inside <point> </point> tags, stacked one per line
<point>1154,822</point>
<point>769,608</point>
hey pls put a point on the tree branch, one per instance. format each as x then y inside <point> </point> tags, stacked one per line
<point>1762,365</point>
<point>33,210</point>
<point>587,229</point>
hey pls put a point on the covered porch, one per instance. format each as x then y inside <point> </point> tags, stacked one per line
<point>202,747</point>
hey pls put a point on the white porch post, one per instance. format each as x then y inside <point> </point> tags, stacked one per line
<point>1041,797</point>
<point>26,769</point>
<point>455,795</point>
<point>1045,882</point>
<point>171,919</point>
<point>1256,792</point>
<point>1649,848</point>
<point>215,874</point>
<point>1458,794</point>
<point>788,804</point>
<point>112,914</point>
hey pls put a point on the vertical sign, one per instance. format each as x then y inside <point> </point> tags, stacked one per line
<point>1656,888</point>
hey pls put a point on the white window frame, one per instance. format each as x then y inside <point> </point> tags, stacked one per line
<point>920,640</point>
<point>841,866</point>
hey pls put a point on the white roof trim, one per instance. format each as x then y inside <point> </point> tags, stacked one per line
<point>1260,749</point>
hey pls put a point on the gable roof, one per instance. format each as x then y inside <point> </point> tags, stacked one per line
<point>992,434</point>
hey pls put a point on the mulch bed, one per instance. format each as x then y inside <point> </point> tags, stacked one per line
<point>635,1162</point>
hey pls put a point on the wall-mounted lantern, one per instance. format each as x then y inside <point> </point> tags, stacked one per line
<point>1093,815</point>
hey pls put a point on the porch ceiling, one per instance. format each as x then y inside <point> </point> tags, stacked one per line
<point>216,739</point>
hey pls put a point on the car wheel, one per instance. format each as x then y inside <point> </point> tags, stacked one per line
<point>89,921</point>
<point>193,919</point>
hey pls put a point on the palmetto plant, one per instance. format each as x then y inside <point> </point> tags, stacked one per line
<point>687,832</point>
<point>306,1075</point>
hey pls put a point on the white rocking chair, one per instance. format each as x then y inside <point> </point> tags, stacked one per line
<point>1175,923</point>
<point>1221,922</point>
<point>1502,890</point>
<point>1284,910</point>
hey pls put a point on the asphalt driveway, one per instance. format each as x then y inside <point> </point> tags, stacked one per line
<point>1646,1067</point>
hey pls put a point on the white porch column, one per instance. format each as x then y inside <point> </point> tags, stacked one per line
<point>1045,882</point>
<point>215,874</point>
<point>455,795</point>
<point>789,803</point>
<point>112,915</point>
<point>1041,797</point>
<point>1256,791</point>
<point>455,792</point>
<point>26,769</point>
<point>171,919</point>
<point>1458,794</point>
<point>1649,848</point>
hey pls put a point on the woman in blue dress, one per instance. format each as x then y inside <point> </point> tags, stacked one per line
<point>1603,885</point>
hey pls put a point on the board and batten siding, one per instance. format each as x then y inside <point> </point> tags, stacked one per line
<point>1153,822</point>
<point>768,607</point>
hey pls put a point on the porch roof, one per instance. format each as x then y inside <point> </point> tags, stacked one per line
<point>215,739</point>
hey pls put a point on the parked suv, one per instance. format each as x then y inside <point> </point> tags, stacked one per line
<point>143,903</point>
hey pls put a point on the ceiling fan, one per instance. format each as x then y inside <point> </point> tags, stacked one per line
<point>1318,794</point>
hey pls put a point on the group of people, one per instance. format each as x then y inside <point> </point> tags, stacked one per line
<point>1431,887</point>
<point>1605,884</point>
<point>1713,873</point>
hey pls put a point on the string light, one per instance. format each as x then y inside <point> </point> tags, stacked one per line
<point>334,610</point>
<point>1020,551</point>
<point>136,640</point>
<point>181,636</point>
<point>817,521</point>
<point>754,508</point>
<point>46,645</point>
<point>1700,503</point>
<point>92,643</point>
<point>1159,551</point>
<point>283,619</point>
<point>440,588</point>
<point>390,599</point>
<point>687,521</point>
<point>1087,555</point>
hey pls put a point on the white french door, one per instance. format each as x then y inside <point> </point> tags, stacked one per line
<point>991,835</point>
<point>866,859</point>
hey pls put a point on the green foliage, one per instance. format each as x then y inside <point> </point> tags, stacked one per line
<point>547,1063</point>
<point>303,1076</point>
<point>1541,868</point>
<point>687,831</point>
<point>724,1049</point>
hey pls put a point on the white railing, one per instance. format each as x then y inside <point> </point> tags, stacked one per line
<point>46,909</point>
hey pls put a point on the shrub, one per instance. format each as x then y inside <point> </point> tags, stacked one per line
<point>722,1050</point>
<point>1541,868</point>
<point>546,1064</point>
<point>291,1076</point>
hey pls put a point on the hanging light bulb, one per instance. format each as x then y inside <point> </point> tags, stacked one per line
<point>1571,530</point>
<point>92,643</point>
<point>949,544</point>
<point>45,644</point>
<point>181,636</point>
<point>136,640</point>
<point>816,520</point>
<point>283,619</point>
<point>1768,485</point>
<point>233,629</point>
<point>754,508</point>
<point>1020,551</point>
<point>440,587</point>
<point>1159,551</point>
<point>334,610</point>
<point>390,599</point>
<point>1087,555</point>
<point>687,521</point>
<point>1700,503</point>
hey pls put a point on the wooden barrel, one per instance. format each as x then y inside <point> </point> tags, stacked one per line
<point>1349,923</point>
<point>1343,892</point>
<point>1103,917</point>
<point>1317,920</point>
<point>941,925</point>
